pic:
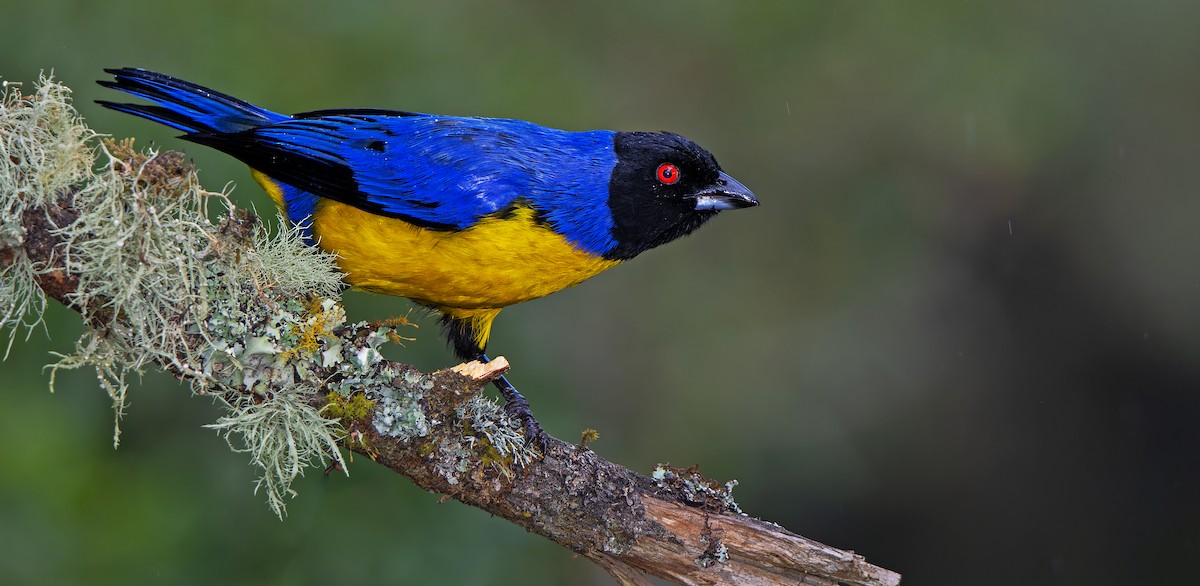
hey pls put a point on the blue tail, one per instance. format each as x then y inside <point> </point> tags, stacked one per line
<point>183,105</point>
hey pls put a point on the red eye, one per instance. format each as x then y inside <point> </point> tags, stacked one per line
<point>667,173</point>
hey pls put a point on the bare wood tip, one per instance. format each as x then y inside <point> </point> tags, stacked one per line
<point>483,371</point>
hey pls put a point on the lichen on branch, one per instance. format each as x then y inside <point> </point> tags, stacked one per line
<point>247,316</point>
<point>152,275</point>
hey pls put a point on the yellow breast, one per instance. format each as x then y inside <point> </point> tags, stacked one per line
<point>498,262</point>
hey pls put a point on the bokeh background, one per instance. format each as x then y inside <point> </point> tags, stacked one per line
<point>960,336</point>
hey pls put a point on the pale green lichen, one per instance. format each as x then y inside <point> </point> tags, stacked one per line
<point>693,489</point>
<point>488,422</point>
<point>246,315</point>
<point>158,274</point>
<point>715,552</point>
<point>488,436</point>
<point>398,410</point>
<point>44,150</point>
<point>283,435</point>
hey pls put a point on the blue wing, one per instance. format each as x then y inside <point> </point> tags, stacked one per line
<point>434,171</point>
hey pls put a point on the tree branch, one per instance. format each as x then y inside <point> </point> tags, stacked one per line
<point>432,428</point>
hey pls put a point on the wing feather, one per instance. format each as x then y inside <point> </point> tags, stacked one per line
<point>438,172</point>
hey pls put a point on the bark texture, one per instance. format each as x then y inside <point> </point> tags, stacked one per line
<point>677,526</point>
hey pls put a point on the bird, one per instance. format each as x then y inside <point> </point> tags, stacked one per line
<point>463,215</point>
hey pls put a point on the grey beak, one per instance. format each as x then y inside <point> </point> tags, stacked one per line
<point>725,194</point>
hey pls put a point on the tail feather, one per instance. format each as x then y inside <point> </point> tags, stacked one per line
<point>184,105</point>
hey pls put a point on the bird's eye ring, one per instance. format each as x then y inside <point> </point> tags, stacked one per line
<point>667,174</point>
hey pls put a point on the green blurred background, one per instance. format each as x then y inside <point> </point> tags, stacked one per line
<point>960,336</point>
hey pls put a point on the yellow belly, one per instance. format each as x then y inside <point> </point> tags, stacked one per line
<point>496,263</point>
<point>493,264</point>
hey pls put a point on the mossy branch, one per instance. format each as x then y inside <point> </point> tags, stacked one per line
<point>252,320</point>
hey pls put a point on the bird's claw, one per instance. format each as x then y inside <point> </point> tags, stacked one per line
<point>517,408</point>
<point>535,436</point>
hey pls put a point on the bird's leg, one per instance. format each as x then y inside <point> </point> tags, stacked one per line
<point>517,407</point>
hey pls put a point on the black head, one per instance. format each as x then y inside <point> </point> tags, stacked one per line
<point>663,187</point>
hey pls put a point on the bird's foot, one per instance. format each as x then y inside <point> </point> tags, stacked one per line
<point>516,407</point>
